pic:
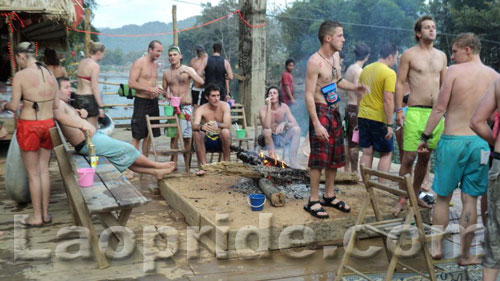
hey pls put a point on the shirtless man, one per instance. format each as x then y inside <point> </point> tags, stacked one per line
<point>486,108</point>
<point>121,154</point>
<point>176,82</point>
<point>198,64</point>
<point>211,125</point>
<point>279,127</point>
<point>462,156</point>
<point>362,52</point>
<point>325,124</point>
<point>424,68</point>
<point>37,88</point>
<point>143,78</point>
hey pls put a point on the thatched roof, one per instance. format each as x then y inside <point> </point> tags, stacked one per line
<point>61,11</point>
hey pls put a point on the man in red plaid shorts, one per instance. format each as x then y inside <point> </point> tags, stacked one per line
<point>325,126</point>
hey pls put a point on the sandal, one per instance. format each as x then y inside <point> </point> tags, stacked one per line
<point>314,212</point>
<point>47,219</point>
<point>340,205</point>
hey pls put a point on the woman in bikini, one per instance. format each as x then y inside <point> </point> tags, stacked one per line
<point>87,94</point>
<point>36,87</point>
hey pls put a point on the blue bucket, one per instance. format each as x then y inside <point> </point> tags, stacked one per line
<point>256,201</point>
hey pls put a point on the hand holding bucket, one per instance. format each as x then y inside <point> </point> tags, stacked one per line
<point>176,102</point>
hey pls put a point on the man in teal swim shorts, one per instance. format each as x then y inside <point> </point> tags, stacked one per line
<point>462,156</point>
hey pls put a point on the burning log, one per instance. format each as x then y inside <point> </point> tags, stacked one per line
<point>277,197</point>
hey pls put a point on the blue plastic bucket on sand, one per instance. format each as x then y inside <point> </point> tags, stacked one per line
<point>256,201</point>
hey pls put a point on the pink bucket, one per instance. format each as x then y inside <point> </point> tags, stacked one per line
<point>355,136</point>
<point>175,101</point>
<point>86,176</point>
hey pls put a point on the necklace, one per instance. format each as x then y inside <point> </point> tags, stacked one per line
<point>334,70</point>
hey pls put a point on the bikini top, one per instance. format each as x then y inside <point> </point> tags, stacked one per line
<point>85,77</point>
<point>35,103</point>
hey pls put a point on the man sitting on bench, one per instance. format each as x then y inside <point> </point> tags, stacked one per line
<point>279,127</point>
<point>121,154</point>
<point>211,125</point>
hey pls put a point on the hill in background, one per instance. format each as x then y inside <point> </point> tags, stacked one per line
<point>135,44</point>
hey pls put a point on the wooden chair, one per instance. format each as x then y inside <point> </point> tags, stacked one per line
<point>238,116</point>
<point>258,131</point>
<point>383,227</point>
<point>169,151</point>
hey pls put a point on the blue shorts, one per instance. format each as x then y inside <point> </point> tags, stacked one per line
<point>464,160</point>
<point>372,133</point>
<point>213,143</point>
<point>121,154</point>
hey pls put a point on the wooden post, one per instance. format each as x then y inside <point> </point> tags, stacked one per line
<point>252,60</point>
<point>87,34</point>
<point>174,25</point>
<point>13,49</point>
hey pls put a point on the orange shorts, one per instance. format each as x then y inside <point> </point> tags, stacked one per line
<point>33,134</point>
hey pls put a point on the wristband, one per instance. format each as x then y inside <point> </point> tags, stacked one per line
<point>398,109</point>
<point>425,137</point>
<point>390,125</point>
<point>338,81</point>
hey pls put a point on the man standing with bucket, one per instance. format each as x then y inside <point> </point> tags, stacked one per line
<point>143,78</point>
<point>325,124</point>
<point>176,81</point>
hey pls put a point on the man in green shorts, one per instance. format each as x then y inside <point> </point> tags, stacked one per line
<point>423,67</point>
<point>462,156</point>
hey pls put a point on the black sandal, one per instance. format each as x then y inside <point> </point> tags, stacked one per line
<point>314,212</point>
<point>340,205</point>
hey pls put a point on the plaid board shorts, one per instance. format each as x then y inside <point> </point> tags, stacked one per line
<point>327,154</point>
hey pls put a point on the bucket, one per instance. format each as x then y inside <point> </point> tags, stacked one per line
<point>355,136</point>
<point>241,133</point>
<point>175,101</point>
<point>168,110</point>
<point>85,176</point>
<point>256,201</point>
<point>231,103</point>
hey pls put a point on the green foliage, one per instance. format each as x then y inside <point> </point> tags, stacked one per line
<point>478,16</point>
<point>374,22</point>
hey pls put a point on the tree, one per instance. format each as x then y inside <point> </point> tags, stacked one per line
<point>478,16</point>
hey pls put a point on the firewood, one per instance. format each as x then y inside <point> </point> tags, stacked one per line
<point>277,198</point>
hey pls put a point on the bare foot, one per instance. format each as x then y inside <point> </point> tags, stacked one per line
<point>167,165</point>
<point>129,174</point>
<point>200,173</point>
<point>160,173</point>
<point>426,187</point>
<point>435,254</point>
<point>471,260</point>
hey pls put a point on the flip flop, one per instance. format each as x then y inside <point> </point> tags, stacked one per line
<point>49,221</point>
<point>27,224</point>
<point>340,205</point>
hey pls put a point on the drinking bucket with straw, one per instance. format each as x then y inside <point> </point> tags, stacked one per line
<point>256,201</point>
<point>86,176</point>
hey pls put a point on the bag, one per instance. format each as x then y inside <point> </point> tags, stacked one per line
<point>125,91</point>
<point>330,94</point>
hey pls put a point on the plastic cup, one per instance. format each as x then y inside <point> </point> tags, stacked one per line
<point>86,176</point>
<point>241,133</point>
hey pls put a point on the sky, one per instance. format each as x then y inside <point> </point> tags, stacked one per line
<point>117,13</point>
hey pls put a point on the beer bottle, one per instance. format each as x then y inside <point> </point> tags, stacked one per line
<point>91,148</point>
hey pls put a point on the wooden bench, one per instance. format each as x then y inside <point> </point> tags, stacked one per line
<point>111,192</point>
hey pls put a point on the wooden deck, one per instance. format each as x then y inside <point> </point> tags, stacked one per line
<point>320,264</point>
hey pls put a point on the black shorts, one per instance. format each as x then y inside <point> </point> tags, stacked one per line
<point>143,107</point>
<point>86,102</point>
<point>197,96</point>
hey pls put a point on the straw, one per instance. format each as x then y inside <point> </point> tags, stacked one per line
<point>237,127</point>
